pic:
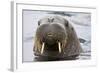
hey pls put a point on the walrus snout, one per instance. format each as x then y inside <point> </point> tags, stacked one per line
<point>51,36</point>
<point>53,33</point>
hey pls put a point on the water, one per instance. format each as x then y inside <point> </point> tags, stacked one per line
<point>80,21</point>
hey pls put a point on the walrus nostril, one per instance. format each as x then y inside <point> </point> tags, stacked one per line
<point>50,34</point>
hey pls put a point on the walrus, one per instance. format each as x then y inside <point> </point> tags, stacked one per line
<point>56,38</point>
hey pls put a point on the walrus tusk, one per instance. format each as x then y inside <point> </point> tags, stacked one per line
<point>59,46</point>
<point>42,49</point>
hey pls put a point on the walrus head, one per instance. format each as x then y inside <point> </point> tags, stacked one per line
<point>54,37</point>
<point>50,37</point>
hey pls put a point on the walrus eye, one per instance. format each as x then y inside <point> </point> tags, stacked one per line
<point>38,23</point>
<point>66,23</point>
<point>72,28</point>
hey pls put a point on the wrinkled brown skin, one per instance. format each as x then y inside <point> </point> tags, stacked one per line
<point>71,47</point>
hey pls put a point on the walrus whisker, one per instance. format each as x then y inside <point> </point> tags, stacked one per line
<point>59,46</point>
<point>42,49</point>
